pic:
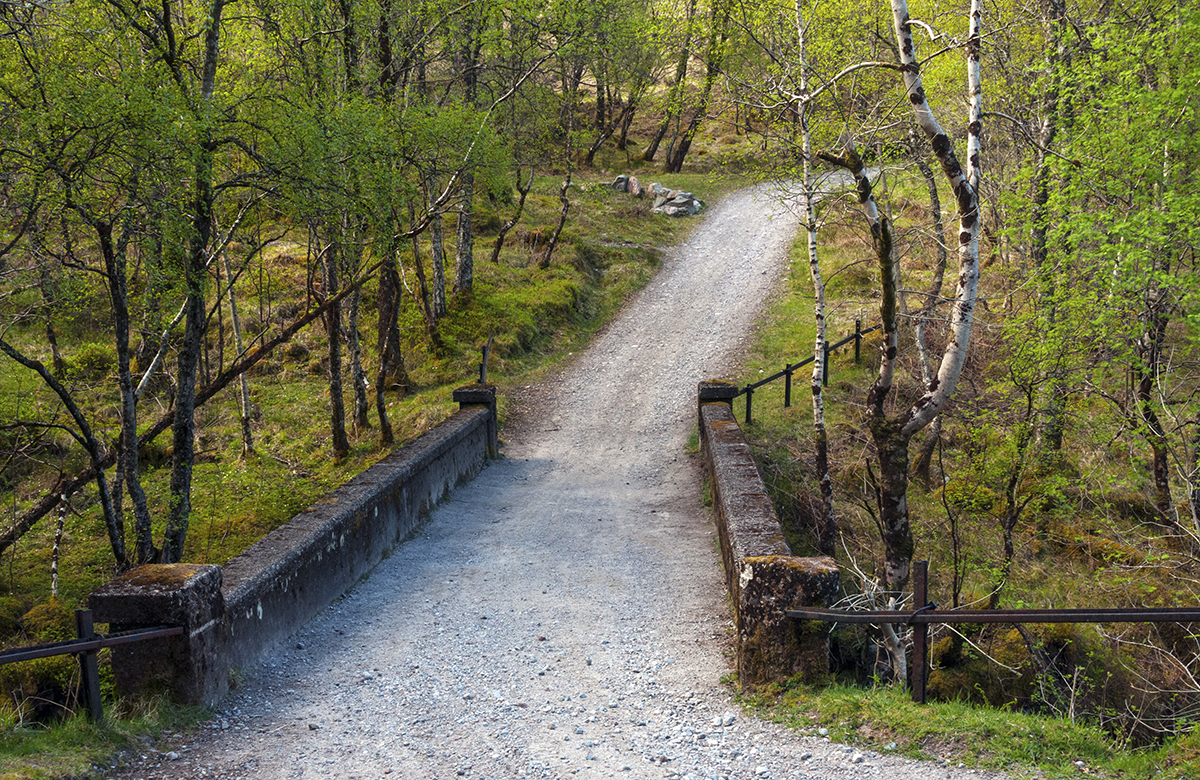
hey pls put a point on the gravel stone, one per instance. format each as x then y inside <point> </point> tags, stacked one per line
<point>597,568</point>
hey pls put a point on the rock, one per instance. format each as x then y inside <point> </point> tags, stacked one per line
<point>674,203</point>
<point>172,756</point>
<point>728,719</point>
<point>621,183</point>
<point>635,187</point>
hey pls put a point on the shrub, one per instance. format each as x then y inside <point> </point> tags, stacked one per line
<point>92,363</point>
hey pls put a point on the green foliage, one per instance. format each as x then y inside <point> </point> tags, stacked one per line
<point>92,363</point>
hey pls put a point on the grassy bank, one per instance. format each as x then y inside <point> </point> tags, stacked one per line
<point>1118,699</point>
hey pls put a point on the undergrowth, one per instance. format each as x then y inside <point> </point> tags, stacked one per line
<point>1121,699</point>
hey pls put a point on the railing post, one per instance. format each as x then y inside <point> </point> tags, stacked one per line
<point>787,387</point>
<point>857,338</point>
<point>749,403</point>
<point>825,367</point>
<point>485,396</point>
<point>920,630</point>
<point>486,349</point>
<point>715,391</point>
<point>89,670</point>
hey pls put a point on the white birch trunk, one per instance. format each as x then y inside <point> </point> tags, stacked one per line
<point>826,525</point>
<point>247,436</point>
<point>964,185</point>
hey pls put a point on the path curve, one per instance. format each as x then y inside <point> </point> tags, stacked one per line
<point>564,615</point>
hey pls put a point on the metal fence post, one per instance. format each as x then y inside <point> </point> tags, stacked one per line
<point>787,386</point>
<point>88,667</point>
<point>486,351</point>
<point>825,367</point>
<point>857,339</point>
<point>920,630</point>
<point>749,403</point>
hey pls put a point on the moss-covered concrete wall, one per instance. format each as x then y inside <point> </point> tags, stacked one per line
<point>763,576</point>
<point>236,614</point>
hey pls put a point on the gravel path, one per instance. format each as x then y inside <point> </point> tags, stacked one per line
<point>564,614</point>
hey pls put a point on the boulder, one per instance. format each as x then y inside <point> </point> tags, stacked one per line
<point>635,187</point>
<point>678,204</point>
<point>621,183</point>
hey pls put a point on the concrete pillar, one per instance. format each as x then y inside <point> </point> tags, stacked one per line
<point>190,667</point>
<point>772,647</point>
<point>716,391</point>
<point>482,395</point>
<point>763,577</point>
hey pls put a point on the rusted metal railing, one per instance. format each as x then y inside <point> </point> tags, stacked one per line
<point>788,369</point>
<point>927,613</point>
<point>85,648</point>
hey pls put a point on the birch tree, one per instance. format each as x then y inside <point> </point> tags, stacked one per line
<point>891,433</point>
<point>826,526</point>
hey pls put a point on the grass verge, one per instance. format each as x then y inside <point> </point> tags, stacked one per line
<point>886,720</point>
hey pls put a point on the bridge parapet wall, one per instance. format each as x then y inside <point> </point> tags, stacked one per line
<point>267,593</point>
<point>763,577</point>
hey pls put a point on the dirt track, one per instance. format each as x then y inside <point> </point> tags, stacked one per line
<point>564,615</point>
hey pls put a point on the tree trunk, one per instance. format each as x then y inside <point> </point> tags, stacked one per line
<point>438,248</point>
<point>184,429</point>
<point>127,459</point>
<point>924,457</point>
<point>1149,352</point>
<point>247,434</point>
<point>601,106</point>
<point>509,224</point>
<point>922,464</point>
<point>1194,476</point>
<point>464,263</point>
<point>391,363</point>
<point>184,433</point>
<point>431,328</point>
<point>44,284</point>
<point>891,434</point>
<point>1054,417</point>
<point>358,376</point>
<point>680,146</point>
<point>892,448</point>
<point>675,97</point>
<point>826,525</point>
<point>626,121</point>
<point>333,328</point>
<point>562,220</point>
